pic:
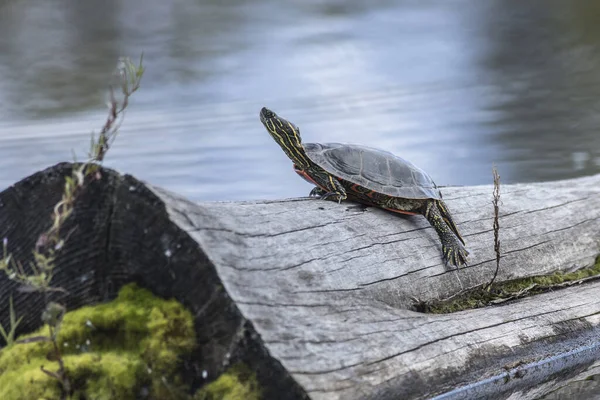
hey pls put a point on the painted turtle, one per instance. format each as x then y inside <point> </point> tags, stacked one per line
<point>369,176</point>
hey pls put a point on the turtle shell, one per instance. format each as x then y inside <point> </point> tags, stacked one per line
<point>374,169</point>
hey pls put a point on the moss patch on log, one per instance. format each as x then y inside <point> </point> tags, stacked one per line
<point>125,349</point>
<point>502,292</point>
<point>237,383</point>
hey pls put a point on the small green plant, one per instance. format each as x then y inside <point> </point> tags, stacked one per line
<point>38,274</point>
<point>128,77</point>
<point>9,336</point>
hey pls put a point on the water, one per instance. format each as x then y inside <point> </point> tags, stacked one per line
<point>454,86</point>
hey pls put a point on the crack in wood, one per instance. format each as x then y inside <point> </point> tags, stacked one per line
<point>556,206</point>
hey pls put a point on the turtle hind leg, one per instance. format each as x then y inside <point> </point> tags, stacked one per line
<point>448,219</point>
<point>452,245</point>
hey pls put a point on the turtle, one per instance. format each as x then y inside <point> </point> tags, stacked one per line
<point>369,176</point>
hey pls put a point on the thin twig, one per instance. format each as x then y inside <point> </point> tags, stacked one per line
<point>495,202</point>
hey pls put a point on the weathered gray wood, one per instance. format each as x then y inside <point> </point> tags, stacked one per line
<point>321,245</point>
<point>316,294</point>
<point>326,286</point>
<point>123,234</point>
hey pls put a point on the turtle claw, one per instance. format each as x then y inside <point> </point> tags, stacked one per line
<point>323,195</point>
<point>455,255</point>
<point>335,196</point>
<point>316,192</point>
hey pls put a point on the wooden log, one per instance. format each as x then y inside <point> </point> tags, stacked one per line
<point>317,296</point>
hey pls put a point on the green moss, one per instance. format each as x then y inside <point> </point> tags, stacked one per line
<point>112,350</point>
<point>502,291</point>
<point>237,383</point>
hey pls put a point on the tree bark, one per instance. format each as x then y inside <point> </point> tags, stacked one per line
<point>318,296</point>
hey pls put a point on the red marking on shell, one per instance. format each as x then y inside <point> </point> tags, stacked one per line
<point>401,211</point>
<point>305,176</point>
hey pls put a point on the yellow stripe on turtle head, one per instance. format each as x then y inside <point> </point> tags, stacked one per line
<point>296,134</point>
<point>287,135</point>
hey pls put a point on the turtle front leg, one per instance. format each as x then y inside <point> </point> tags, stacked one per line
<point>452,247</point>
<point>328,187</point>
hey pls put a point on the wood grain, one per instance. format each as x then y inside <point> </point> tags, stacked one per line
<point>316,296</point>
<point>328,286</point>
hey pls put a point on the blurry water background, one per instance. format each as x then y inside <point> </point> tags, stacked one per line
<point>452,85</point>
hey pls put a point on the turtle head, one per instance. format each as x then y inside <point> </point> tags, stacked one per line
<point>286,134</point>
<point>266,114</point>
